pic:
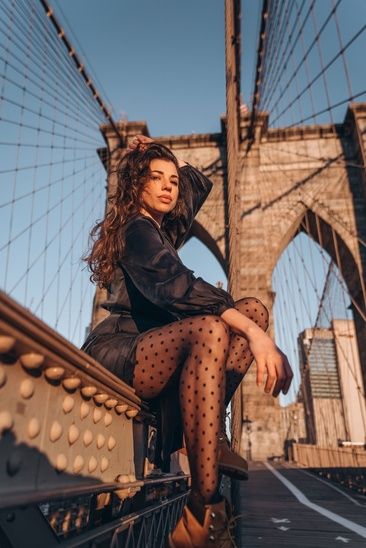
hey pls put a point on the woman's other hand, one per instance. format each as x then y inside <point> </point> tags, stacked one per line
<point>271,360</point>
<point>268,356</point>
<point>139,141</point>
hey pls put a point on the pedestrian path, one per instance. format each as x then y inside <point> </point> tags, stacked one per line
<point>286,506</point>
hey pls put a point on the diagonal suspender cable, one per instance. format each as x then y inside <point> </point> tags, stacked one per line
<point>80,67</point>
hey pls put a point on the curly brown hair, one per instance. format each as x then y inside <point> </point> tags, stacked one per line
<point>107,236</point>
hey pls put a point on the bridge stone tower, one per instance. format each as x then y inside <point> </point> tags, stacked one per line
<point>310,178</point>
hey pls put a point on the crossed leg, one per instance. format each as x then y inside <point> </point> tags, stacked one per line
<point>198,347</point>
<point>208,357</point>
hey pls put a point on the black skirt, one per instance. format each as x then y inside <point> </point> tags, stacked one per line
<point>113,344</point>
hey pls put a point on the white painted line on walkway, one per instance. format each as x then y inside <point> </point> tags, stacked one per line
<point>329,485</point>
<point>348,524</point>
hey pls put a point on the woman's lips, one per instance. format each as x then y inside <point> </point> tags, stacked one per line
<point>165,199</point>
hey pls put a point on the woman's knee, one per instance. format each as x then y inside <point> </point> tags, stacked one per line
<point>254,309</point>
<point>211,331</point>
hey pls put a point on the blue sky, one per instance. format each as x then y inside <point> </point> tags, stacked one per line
<point>160,61</point>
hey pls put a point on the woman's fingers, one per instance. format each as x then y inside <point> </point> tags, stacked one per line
<point>279,374</point>
<point>271,377</point>
<point>142,139</point>
<point>271,361</point>
<point>138,142</point>
<point>261,368</point>
<point>284,376</point>
<point>281,379</point>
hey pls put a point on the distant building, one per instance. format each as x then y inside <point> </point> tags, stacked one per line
<point>293,424</point>
<point>333,393</point>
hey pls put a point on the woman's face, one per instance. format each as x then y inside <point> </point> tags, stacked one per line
<point>160,192</point>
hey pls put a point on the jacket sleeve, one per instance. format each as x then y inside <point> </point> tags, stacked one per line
<point>194,188</point>
<point>159,274</point>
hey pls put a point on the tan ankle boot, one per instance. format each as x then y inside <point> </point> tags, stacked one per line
<point>215,532</point>
<point>230,463</point>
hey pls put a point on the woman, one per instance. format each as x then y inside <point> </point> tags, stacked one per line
<point>168,330</point>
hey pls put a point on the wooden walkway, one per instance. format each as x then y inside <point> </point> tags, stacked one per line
<point>285,506</point>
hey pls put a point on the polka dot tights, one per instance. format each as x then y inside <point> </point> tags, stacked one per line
<point>198,346</point>
<point>211,361</point>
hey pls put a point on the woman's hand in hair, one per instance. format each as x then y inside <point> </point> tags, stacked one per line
<point>139,141</point>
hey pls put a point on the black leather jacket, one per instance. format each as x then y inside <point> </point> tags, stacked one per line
<point>152,285</point>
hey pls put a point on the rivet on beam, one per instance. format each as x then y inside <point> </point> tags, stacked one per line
<point>111,403</point>
<point>14,463</point>
<point>121,408</point>
<point>27,388</point>
<point>84,410</point>
<point>100,398</point>
<point>104,463</point>
<point>123,478</point>
<point>111,444</point>
<point>6,421</point>
<point>87,438</point>
<point>132,412</point>
<point>92,465</point>
<point>71,383</point>
<point>61,462</point>
<point>6,344</point>
<point>32,361</point>
<point>68,404</point>
<point>88,391</point>
<point>78,464</point>
<point>100,441</point>
<point>73,434</point>
<point>34,428</point>
<point>108,419</point>
<point>55,431</point>
<point>97,415</point>
<point>54,373</point>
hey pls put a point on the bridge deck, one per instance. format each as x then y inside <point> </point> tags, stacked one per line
<point>274,516</point>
